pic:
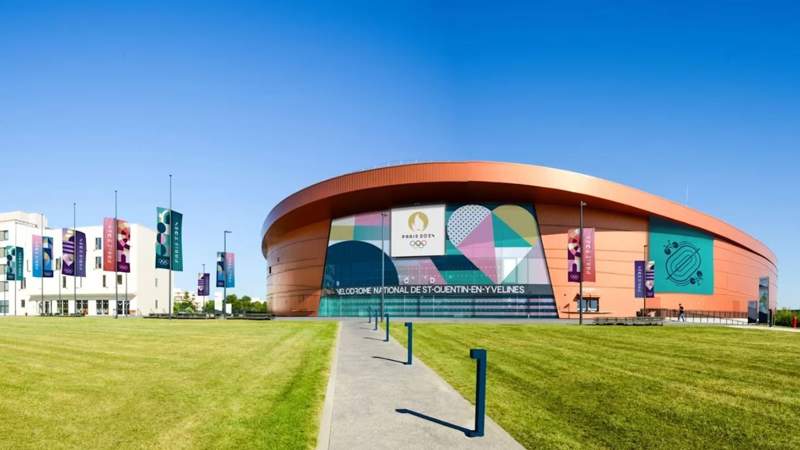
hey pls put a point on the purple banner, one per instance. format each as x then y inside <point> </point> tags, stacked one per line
<point>80,254</point>
<point>203,284</point>
<point>638,279</point>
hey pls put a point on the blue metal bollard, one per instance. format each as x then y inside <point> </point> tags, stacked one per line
<point>480,391</point>
<point>387,329</point>
<point>410,325</point>
<point>375,327</point>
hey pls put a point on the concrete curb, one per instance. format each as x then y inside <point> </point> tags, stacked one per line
<point>324,436</point>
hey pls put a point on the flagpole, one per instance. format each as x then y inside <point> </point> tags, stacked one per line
<point>580,275</point>
<point>116,238</point>
<point>17,275</point>
<point>171,250</point>
<point>74,253</point>
<point>224,274</point>
<point>644,279</point>
<point>41,296</point>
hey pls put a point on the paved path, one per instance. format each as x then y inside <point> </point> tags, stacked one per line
<point>370,383</point>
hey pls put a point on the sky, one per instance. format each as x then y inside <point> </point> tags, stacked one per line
<point>245,103</point>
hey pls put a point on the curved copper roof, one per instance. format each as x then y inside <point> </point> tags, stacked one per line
<point>386,187</point>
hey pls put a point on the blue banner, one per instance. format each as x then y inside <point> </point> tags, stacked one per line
<point>220,269</point>
<point>47,256</point>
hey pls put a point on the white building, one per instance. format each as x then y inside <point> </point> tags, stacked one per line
<point>140,292</point>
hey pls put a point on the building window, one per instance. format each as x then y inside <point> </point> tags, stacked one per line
<point>22,303</point>
<point>3,286</point>
<point>82,307</point>
<point>3,268</point>
<point>104,281</point>
<point>98,262</point>
<point>98,243</point>
<point>62,307</point>
<point>3,252</point>
<point>58,264</point>
<point>156,281</point>
<point>24,283</point>
<point>101,307</point>
<point>3,235</point>
<point>3,306</point>
<point>119,279</point>
<point>63,281</point>
<point>123,307</point>
<point>156,304</point>
<point>590,305</point>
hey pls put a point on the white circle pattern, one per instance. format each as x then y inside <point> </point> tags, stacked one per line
<point>464,220</point>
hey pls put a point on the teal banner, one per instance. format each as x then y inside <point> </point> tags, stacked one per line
<point>14,263</point>
<point>177,241</point>
<point>169,246</point>
<point>684,258</point>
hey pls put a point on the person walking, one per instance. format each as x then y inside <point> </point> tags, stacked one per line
<point>681,313</point>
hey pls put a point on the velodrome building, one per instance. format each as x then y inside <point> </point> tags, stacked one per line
<point>491,239</point>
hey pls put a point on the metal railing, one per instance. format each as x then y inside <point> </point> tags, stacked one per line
<point>700,316</point>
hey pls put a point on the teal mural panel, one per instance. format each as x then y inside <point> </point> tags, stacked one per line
<point>684,258</point>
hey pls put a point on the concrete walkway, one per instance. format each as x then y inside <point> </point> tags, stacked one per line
<point>370,384</point>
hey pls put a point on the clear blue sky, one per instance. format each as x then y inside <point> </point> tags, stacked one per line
<point>247,102</point>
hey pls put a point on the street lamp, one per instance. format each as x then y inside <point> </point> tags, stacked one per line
<point>644,291</point>
<point>224,275</point>
<point>383,262</point>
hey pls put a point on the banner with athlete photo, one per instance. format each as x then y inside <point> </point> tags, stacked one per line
<point>123,246</point>
<point>220,269</point>
<point>574,270</point>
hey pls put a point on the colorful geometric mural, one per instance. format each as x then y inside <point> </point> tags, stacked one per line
<point>486,244</point>
<point>684,258</point>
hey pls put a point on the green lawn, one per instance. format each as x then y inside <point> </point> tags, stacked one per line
<point>135,383</point>
<point>554,386</point>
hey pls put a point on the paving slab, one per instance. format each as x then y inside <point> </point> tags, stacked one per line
<point>378,402</point>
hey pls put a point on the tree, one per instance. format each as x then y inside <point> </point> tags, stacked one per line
<point>245,304</point>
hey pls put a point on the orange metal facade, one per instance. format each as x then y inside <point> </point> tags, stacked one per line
<point>295,233</point>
